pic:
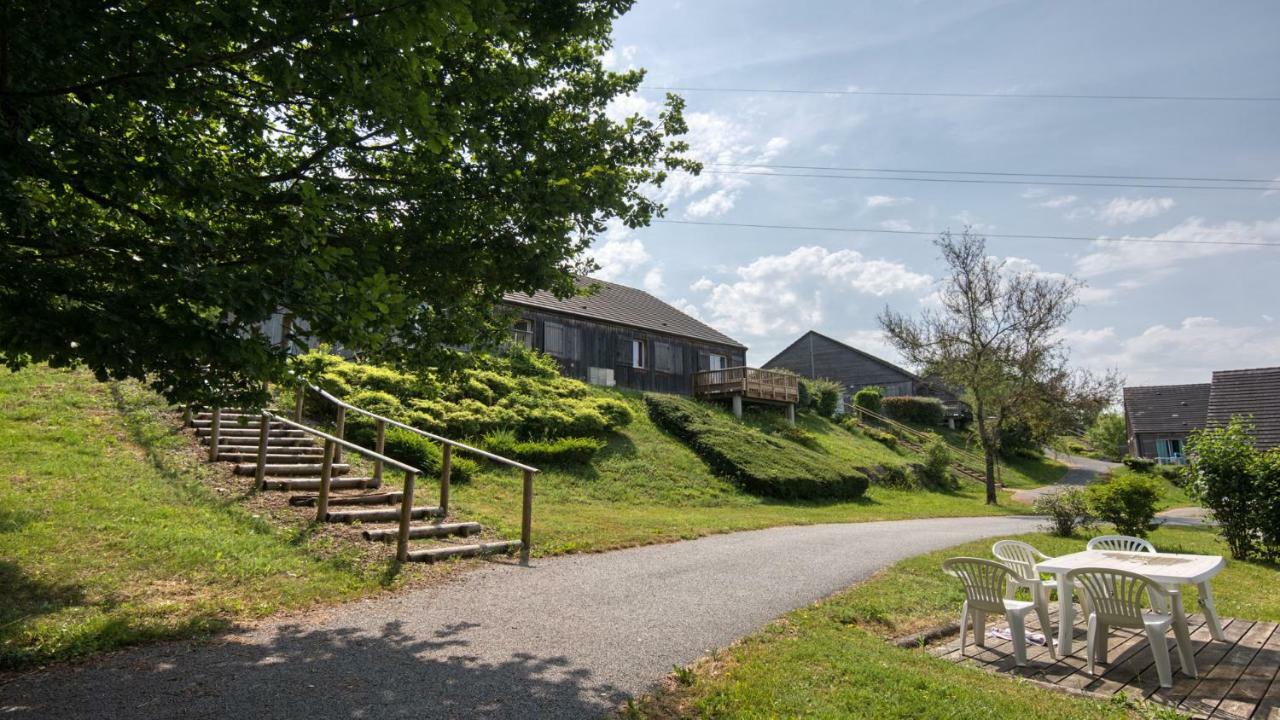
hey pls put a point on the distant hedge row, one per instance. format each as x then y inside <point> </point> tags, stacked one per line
<point>913,409</point>
<point>760,463</point>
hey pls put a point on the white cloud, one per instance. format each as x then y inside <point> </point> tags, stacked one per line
<point>702,284</point>
<point>622,58</point>
<point>1152,260</point>
<point>967,219</point>
<point>1033,193</point>
<point>1124,211</point>
<point>1060,201</point>
<point>785,293</point>
<point>686,307</point>
<point>1088,338</point>
<point>653,282</point>
<point>899,225</point>
<point>717,203</point>
<point>618,256</point>
<point>1188,352</point>
<point>875,201</point>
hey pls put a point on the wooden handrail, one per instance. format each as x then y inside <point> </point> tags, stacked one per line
<point>920,435</point>
<point>337,441</point>
<point>395,423</point>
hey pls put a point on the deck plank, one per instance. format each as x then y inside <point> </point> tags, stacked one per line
<point>1214,684</point>
<point>1207,659</point>
<point>1239,701</point>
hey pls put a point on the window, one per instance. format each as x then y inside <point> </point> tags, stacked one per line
<point>1169,450</point>
<point>558,340</point>
<point>600,376</point>
<point>664,357</point>
<point>522,333</point>
<point>718,362</point>
<point>639,357</point>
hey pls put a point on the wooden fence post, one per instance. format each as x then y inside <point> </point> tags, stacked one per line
<point>186,416</point>
<point>380,442</point>
<point>406,515</point>
<point>260,476</point>
<point>446,469</point>
<point>526,522</point>
<point>298,401</point>
<point>326,476</point>
<point>339,430</point>
<point>215,430</point>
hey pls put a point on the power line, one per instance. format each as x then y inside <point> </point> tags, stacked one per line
<point>883,231</point>
<point>1000,95</point>
<point>989,181</point>
<point>1002,174</point>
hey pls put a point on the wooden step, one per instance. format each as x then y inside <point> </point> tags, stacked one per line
<point>272,441</point>
<point>245,422</point>
<point>236,414</point>
<point>313,483</point>
<point>310,468</point>
<point>273,458</point>
<point>291,450</point>
<point>417,532</point>
<point>246,432</point>
<point>444,553</point>
<point>386,498</point>
<point>389,515</point>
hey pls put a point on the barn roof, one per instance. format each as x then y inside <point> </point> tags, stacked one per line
<point>1166,408</point>
<point>1255,393</point>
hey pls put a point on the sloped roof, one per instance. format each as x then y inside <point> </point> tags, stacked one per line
<point>1253,392</point>
<point>844,346</point>
<point>1166,408</point>
<point>624,305</point>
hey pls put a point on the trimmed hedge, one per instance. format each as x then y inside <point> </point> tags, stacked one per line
<point>870,397</point>
<point>760,463</point>
<point>540,452</point>
<point>914,409</point>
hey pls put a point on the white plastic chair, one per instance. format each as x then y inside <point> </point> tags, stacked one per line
<point>1121,543</point>
<point>1022,559</point>
<point>1116,597</point>
<point>984,587</point>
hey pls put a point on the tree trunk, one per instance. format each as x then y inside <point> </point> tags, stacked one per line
<point>991,477</point>
<point>988,450</point>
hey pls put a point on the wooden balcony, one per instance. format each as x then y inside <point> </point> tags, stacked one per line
<point>747,383</point>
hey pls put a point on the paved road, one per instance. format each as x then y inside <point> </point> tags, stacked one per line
<point>1080,470</point>
<point>570,637</point>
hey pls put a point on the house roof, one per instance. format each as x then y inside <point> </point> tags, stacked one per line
<point>848,347</point>
<point>1166,408</point>
<point>1253,392</point>
<point>624,305</point>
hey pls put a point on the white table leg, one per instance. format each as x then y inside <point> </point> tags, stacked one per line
<point>1066,615</point>
<point>1210,612</point>
<point>1185,652</point>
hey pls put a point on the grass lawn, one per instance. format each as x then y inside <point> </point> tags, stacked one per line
<point>1017,474</point>
<point>99,548</point>
<point>832,659</point>
<point>647,487</point>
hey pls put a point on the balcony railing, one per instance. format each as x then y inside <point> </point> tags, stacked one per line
<point>750,383</point>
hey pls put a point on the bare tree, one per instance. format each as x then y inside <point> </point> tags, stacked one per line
<point>997,335</point>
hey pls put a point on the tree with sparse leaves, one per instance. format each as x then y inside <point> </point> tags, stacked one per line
<point>997,335</point>
<point>173,174</point>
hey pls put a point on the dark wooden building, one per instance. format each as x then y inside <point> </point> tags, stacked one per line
<point>622,336</point>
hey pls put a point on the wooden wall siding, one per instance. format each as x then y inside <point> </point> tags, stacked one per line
<point>815,356</point>
<point>609,346</point>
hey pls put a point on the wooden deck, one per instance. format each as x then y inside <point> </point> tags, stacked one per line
<point>1237,678</point>
<point>748,383</point>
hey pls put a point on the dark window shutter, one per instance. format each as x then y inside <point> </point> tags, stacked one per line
<point>623,354</point>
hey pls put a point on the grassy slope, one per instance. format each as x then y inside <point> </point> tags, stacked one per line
<point>1018,473</point>
<point>99,549</point>
<point>831,659</point>
<point>647,487</point>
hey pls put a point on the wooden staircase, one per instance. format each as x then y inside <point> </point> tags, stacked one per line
<point>283,454</point>
<point>970,466</point>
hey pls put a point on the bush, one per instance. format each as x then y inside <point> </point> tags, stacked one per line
<point>935,471</point>
<point>377,402</point>
<point>617,413</point>
<point>889,440</point>
<point>893,476</point>
<point>1223,463</point>
<point>1108,435</point>
<point>1128,502</point>
<point>1018,439</point>
<point>871,398</point>
<point>412,449</point>
<point>911,409</point>
<point>758,462</point>
<point>804,403</point>
<point>1067,511</point>
<point>1266,513</point>
<point>1175,474</point>
<point>797,435</point>
<point>826,396</point>
<point>1138,464</point>
<point>543,452</point>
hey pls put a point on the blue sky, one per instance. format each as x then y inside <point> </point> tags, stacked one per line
<point>1158,313</point>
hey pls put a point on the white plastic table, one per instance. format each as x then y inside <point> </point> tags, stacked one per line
<point>1167,569</point>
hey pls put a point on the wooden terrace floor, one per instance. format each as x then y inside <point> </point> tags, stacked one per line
<point>1237,677</point>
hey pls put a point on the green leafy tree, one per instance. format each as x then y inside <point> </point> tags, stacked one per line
<point>1108,435</point>
<point>1266,513</point>
<point>174,174</point>
<point>1222,469</point>
<point>1127,502</point>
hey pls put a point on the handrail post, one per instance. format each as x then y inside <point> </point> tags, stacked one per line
<point>298,401</point>
<point>380,443</point>
<point>526,521</point>
<point>339,431</point>
<point>186,416</point>
<point>215,430</point>
<point>326,477</point>
<point>406,515</point>
<point>446,469</point>
<point>260,475</point>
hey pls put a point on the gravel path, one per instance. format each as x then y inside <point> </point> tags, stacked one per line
<point>1080,470</point>
<point>570,637</point>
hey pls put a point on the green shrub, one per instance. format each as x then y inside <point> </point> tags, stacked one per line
<point>796,435</point>
<point>912,409</point>
<point>889,440</point>
<point>1266,512</point>
<point>1108,435</point>
<point>871,398</point>
<point>376,401</point>
<point>617,413</point>
<point>804,403</point>
<point>826,396</point>
<point>935,471</point>
<point>1128,502</point>
<point>543,452</point>
<point>894,476</point>
<point>758,462</point>
<point>1018,440</point>
<point>411,448</point>
<point>1139,464</point>
<point>1175,474</point>
<point>1223,465</point>
<point>1066,510</point>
